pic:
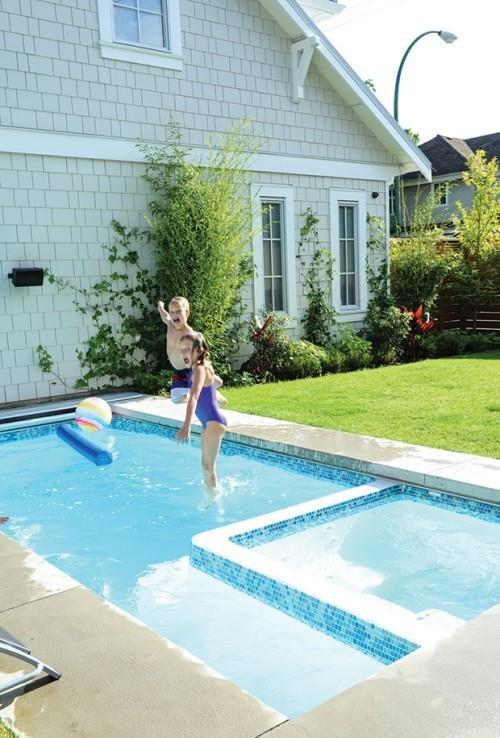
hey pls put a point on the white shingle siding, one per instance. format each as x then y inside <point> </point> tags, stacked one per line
<point>55,211</point>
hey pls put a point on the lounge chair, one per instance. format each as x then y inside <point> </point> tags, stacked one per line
<point>21,652</point>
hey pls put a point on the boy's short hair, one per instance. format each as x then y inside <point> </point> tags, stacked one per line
<point>180,301</point>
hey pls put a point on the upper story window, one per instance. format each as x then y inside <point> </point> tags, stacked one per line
<point>141,31</point>
<point>348,221</point>
<point>142,22</point>
<point>275,287</point>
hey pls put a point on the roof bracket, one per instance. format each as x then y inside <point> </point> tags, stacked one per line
<point>302,52</point>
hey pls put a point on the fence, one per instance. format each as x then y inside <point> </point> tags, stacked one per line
<point>461,317</point>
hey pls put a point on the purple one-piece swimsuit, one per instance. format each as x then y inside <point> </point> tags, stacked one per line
<point>207,408</point>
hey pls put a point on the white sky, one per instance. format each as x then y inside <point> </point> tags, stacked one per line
<point>451,89</point>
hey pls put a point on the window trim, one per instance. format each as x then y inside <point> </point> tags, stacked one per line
<point>156,57</point>
<point>358,199</point>
<point>286,195</point>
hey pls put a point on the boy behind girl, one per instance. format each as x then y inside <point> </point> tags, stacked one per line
<point>176,320</point>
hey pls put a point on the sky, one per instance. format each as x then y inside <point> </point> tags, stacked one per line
<point>448,89</point>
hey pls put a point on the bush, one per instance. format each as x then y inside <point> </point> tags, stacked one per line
<point>418,272</point>
<point>303,359</point>
<point>386,330</point>
<point>270,341</point>
<point>451,343</point>
<point>154,384</point>
<point>239,379</point>
<point>356,351</point>
<point>335,361</point>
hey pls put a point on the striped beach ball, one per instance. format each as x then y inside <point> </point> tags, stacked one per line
<point>93,414</point>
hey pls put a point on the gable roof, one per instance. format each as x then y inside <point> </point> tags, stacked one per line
<point>298,25</point>
<point>449,155</point>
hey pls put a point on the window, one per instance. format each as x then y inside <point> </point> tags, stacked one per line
<point>140,22</point>
<point>348,218</point>
<point>274,249</point>
<point>392,198</point>
<point>141,31</point>
<point>442,194</point>
<point>272,244</point>
<point>348,268</point>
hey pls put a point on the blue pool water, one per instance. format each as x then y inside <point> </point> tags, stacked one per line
<point>420,554</point>
<point>124,531</point>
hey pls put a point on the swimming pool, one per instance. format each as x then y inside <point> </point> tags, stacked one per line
<point>389,567</point>
<point>125,530</point>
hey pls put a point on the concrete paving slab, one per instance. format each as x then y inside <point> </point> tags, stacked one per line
<point>451,690</point>
<point>27,577</point>
<point>119,679</point>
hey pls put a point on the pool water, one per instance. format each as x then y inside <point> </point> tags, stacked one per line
<point>124,531</point>
<point>417,555</point>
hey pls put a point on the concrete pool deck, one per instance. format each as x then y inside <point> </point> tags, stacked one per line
<point>120,679</point>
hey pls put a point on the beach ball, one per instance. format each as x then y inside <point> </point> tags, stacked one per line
<point>93,414</point>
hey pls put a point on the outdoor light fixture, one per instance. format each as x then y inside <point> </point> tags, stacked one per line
<point>375,195</point>
<point>448,38</point>
<point>26,276</point>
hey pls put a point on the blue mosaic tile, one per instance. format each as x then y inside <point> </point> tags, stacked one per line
<point>372,640</point>
<point>353,630</point>
<point>294,464</point>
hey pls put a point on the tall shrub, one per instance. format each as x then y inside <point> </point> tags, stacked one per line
<point>200,228</point>
<point>418,268</point>
<point>316,264</point>
<point>386,327</point>
<point>476,273</point>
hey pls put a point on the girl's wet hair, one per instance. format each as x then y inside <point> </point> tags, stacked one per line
<point>200,344</point>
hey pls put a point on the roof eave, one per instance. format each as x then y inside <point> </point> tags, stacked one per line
<point>296,23</point>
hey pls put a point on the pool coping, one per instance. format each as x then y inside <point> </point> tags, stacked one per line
<point>404,692</point>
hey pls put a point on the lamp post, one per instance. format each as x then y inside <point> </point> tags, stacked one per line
<point>448,38</point>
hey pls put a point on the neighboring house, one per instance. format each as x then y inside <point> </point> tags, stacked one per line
<point>81,81</point>
<point>448,157</point>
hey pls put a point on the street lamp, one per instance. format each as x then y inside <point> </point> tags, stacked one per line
<point>448,38</point>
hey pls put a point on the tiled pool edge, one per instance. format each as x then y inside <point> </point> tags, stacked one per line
<point>374,626</point>
<point>429,692</point>
<point>441,474</point>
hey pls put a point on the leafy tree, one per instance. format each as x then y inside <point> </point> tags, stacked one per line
<point>418,268</point>
<point>476,274</point>
<point>200,231</point>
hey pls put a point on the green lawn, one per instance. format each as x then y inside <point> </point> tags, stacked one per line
<point>451,403</point>
<point>6,732</point>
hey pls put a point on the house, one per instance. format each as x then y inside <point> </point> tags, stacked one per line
<point>448,157</point>
<point>81,81</point>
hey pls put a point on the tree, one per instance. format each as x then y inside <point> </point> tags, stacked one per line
<point>476,274</point>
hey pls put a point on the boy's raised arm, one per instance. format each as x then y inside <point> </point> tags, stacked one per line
<point>163,313</point>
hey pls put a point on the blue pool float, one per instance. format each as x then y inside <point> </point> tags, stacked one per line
<point>91,450</point>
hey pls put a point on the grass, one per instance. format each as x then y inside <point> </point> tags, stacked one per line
<point>451,403</point>
<point>6,732</point>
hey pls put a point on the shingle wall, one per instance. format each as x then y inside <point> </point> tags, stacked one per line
<point>56,211</point>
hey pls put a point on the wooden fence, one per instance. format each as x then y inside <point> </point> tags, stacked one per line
<point>461,317</point>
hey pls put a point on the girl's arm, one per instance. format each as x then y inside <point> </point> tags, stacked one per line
<point>194,393</point>
<point>164,314</point>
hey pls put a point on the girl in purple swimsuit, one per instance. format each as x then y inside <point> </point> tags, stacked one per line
<point>203,403</point>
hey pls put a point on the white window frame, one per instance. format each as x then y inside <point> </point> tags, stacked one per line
<point>356,198</point>
<point>170,58</point>
<point>284,194</point>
